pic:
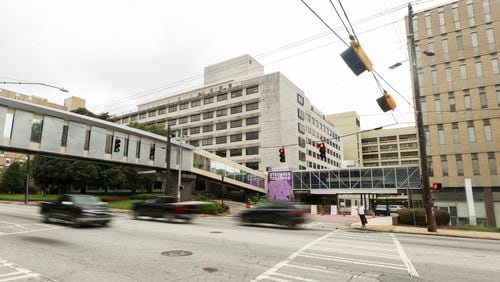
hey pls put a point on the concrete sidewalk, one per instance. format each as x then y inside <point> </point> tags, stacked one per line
<point>384,224</point>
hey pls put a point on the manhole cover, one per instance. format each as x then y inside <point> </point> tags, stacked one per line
<point>177,253</point>
<point>210,269</point>
<point>216,232</point>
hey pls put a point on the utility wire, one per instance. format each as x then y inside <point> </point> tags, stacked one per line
<point>341,20</point>
<point>340,38</point>
<point>348,21</point>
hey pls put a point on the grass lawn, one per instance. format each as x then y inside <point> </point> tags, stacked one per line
<point>478,228</point>
<point>124,204</point>
<point>115,202</point>
<point>20,197</point>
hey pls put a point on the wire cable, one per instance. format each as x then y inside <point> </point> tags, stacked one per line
<point>340,38</point>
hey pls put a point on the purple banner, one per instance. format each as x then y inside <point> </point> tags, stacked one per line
<point>280,186</point>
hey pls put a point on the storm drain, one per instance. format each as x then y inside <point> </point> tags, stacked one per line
<point>177,253</point>
<point>216,232</point>
<point>210,269</point>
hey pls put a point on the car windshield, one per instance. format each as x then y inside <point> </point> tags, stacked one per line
<point>85,200</point>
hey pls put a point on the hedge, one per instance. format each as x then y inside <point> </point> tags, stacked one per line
<point>405,216</point>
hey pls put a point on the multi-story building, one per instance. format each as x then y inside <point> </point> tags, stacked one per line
<point>71,103</point>
<point>390,147</point>
<point>245,115</point>
<point>349,127</point>
<point>460,99</point>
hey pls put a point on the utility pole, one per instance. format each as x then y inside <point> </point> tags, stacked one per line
<point>424,171</point>
<point>167,172</point>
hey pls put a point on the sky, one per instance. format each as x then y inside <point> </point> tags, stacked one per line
<point>117,54</point>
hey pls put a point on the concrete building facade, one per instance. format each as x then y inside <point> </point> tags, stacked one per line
<point>245,115</point>
<point>460,98</point>
<point>349,126</point>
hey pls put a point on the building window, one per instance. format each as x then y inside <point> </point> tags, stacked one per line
<point>456,16</point>
<point>207,141</point>
<point>301,128</point>
<point>470,14</point>
<point>489,35</point>
<point>9,120</point>
<point>255,120</point>
<point>252,90</point>
<point>473,36</point>
<point>253,165</point>
<point>482,98</point>
<point>236,110</point>
<point>236,123</point>
<point>172,109</point>
<point>300,114</point>
<point>456,133</point>
<point>162,111</point>
<point>441,17</point>
<point>138,149</point>
<point>437,103</point>
<point>221,140</point>
<point>423,104</point>
<point>467,102</point>
<point>195,118</point>
<point>428,24</point>
<point>460,165</point>
<point>86,143</point>
<point>486,10</point>
<point>452,102</point>
<point>434,75</point>
<point>221,153</point>
<point>184,106</point>
<point>208,115</point>
<point>441,134</point>
<point>133,118</point>
<point>479,67</point>
<point>430,46</point>
<point>222,97</point>
<point>302,142</point>
<point>208,100</point>
<point>152,114</point>
<point>492,163</point>
<point>221,126</point>
<point>252,135</point>
<point>475,164</point>
<point>252,151</point>
<point>109,144</point>
<point>236,137</point>
<point>494,64</point>
<point>64,137</point>
<point>235,152</point>
<point>449,76</point>
<point>471,131</point>
<point>300,99</point>
<point>252,106</point>
<point>172,122</point>
<point>221,113</point>
<point>497,90</point>
<point>460,42</point>
<point>488,135</point>
<point>444,43</point>
<point>208,128</point>
<point>36,130</point>
<point>195,143</point>
<point>427,135</point>
<point>237,93</point>
<point>142,115</point>
<point>183,120</point>
<point>195,103</point>
<point>444,165</point>
<point>463,69</point>
<point>430,167</point>
<point>302,156</point>
<point>194,130</point>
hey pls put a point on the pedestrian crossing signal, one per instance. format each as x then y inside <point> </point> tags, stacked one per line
<point>282,154</point>
<point>437,187</point>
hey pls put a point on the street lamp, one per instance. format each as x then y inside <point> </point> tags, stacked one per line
<point>34,83</point>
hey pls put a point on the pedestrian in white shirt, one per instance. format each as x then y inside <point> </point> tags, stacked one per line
<point>361,213</point>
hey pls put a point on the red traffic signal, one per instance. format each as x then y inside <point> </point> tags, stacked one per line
<point>282,154</point>
<point>437,187</point>
<point>322,151</point>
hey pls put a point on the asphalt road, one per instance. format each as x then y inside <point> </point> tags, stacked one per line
<point>219,249</point>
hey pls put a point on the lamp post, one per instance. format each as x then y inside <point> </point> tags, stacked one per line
<point>34,83</point>
<point>424,172</point>
<point>222,191</point>
<point>179,170</point>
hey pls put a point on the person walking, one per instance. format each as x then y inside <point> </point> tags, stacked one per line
<point>361,213</point>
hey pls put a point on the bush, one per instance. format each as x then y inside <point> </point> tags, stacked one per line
<point>144,196</point>
<point>211,208</point>
<point>405,216</point>
<point>442,217</point>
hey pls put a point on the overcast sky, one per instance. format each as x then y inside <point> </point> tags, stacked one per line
<point>117,54</point>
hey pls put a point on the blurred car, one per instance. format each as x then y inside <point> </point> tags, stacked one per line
<point>381,210</point>
<point>395,208</point>
<point>281,213</point>
<point>166,207</point>
<point>77,209</point>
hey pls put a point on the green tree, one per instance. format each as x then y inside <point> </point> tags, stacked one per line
<point>81,174</point>
<point>13,178</point>
<point>149,128</point>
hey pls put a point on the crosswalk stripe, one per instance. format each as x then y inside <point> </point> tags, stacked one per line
<point>409,266</point>
<point>345,260</point>
<point>18,277</point>
<point>355,253</point>
<point>294,277</point>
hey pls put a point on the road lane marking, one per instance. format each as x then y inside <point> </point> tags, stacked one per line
<point>354,261</point>
<point>336,250</point>
<point>309,225</point>
<point>409,266</point>
<point>18,272</point>
<point>294,277</point>
<point>279,265</point>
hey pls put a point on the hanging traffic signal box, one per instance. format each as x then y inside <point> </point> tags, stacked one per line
<point>386,102</point>
<point>356,58</point>
<point>437,187</point>
<point>282,154</point>
<point>117,145</point>
<point>322,151</point>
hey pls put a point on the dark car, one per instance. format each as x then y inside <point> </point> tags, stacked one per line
<point>77,209</point>
<point>281,213</point>
<point>166,207</point>
<point>381,210</point>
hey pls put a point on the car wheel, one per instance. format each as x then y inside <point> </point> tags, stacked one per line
<point>168,216</point>
<point>135,214</point>
<point>46,217</point>
<point>75,222</point>
<point>105,224</point>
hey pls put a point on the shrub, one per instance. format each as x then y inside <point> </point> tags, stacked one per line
<point>144,196</point>
<point>406,217</point>
<point>211,208</point>
<point>442,217</point>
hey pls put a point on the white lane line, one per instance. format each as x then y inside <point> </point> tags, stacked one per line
<point>354,261</point>
<point>274,279</point>
<point>308,225</point>
<point>11,273</point>
<point>317,268</point>
<point>409,266</point>
<point>349,252</point>
<point>19,277</point>
<point>291,257</point>
<point>364,248</point>
<point>18,272</point>
<point>30,231</point>
<point>295,277</point>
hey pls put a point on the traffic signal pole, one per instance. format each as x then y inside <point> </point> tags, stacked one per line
<point>167,171</point>
<point>424,171</point>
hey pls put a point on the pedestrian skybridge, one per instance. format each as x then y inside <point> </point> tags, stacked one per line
<point>373,180</point>
<point>35,129</point>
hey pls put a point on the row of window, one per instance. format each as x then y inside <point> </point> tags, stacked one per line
<point>459,161</point>
<point>390,147</point>
<point>455,128</point>
<point>486,12</point>
<point>223,139</point>
<point>195,103</point>
<point>211,114</point>
<point>465,104</point>
<point>389,139</point>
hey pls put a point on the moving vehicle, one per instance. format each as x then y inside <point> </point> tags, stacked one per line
<point>166,207</point>
<point>281,213</point>
<point>77,209</point>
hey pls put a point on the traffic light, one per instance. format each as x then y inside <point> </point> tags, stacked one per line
<point>356,58</point>
<point>152,153</point>
<point>282,154</point>
<point>117,145</point>
<point>436,186</point>
<point>386,102</point>
<point>322,151</point>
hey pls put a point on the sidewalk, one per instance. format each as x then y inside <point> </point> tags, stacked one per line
<point>384,224</point>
